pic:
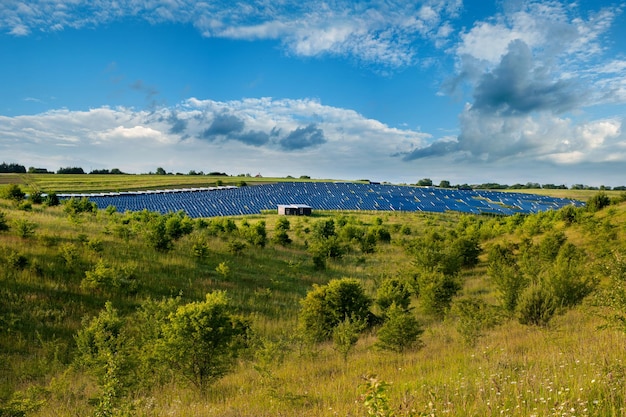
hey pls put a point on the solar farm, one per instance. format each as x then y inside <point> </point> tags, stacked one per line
<point>339,196</point>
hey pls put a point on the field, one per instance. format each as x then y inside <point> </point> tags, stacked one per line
<point>60,266</point>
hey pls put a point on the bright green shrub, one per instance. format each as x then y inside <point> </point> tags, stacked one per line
<point>325,306</point>
<point>436,290</point>
<point>400,330</point>
<point>393,291</point>
<point>536,306</point>
<point>202,340</point>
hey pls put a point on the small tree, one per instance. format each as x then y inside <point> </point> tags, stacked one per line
<point>13,192</point>
<point>104,352</point>
<point>345,336</point>
<point>400,331</point>
<point>393,291</point>
<point>536,306</point>
<point>202,340</point>
<point>598,202</point>
<point>324,307</point>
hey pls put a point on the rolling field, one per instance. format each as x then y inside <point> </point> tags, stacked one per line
<point>61,265</point>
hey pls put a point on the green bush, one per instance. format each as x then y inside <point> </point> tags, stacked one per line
<point>436,290</point>
<point>4,226</point>
<point>400,331</point>
<point>12,192</point>
<point>24,228</point>
<point>473,316</point>
<point>325,306</point>
<point>202,340</point>
<point>393,291</point>
<point>536,306</point>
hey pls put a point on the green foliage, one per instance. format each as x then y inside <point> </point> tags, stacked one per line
<point>436,290</point>
<point>157,236</point>
<point>107,278</point>
<point>12,192</point>
<point>236,247</point>
<point>75,206</point>
<point>282,224</point>
<point>400,330</point>
<point>281,237</point>
<point>24,228</point>
<point>393,291</point>
<point>505,274</point>
<point>550,245</point>
<point>325,248</point>
<point>569,279</point>
<point>52,200</point>
<point>536,306</point>
<point>103,350</point>
<point>346,334</point>
<point>598,202</point>
<point>16,261</point>
<point>325,306</point>
<point>473,317</point>
<point>4,226</point>
<point>36,197</point>
<point>324,229</point>
<point>223,269</point>
<point>202,340</point>
<point>255,234</point>
<point>375,399</point>
<point>178,225</point>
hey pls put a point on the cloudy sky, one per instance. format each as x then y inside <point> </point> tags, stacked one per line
<point>469,91</point>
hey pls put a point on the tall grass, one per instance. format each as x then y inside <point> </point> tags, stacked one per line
<point>569,368</point>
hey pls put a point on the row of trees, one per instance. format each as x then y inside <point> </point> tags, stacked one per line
<point>427,182</point>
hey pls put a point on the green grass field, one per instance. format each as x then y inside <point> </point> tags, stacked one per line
<point>572,366</point>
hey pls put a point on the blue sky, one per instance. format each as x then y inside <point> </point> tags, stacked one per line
<point>467,91</point>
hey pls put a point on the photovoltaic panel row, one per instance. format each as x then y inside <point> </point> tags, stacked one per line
<point>228,201</point>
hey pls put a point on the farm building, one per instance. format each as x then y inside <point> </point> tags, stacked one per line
<point>294,209</point>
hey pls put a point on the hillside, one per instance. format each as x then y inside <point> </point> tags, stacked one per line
<point>62,264</point>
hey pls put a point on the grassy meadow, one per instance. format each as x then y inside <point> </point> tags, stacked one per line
<point>571,364</point>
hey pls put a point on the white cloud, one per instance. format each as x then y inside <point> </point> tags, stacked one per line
<point>250,136</point>
<point>375,32</point>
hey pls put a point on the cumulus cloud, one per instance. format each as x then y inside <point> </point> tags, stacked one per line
<point>279,137</point>
<point>531,72</point>
<point>303,137</point>
<point>373,32</point>
<point>226,125</point>
<point>518,86</point>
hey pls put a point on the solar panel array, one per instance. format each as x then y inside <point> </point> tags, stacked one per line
<point>229,201</point>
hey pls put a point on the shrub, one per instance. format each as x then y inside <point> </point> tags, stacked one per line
<point>36,197</point>
<point>157,236</point>
<point>473,317</point>
<point>598,202</point>
<point>436,290</point>
<point>506,276</point>
<point>3,222</point>
<point>400,331</point>
<point>346,334</point>
<point>12,192</point>
<point>24,228</point>
<point>324,307</point>
<point>104,351</point>
<point>52,200</point>
<point>568,279</point>
<point>393,291</point>
<point>281,237</point>
<point>536,306</point>
<point>202,340</point>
